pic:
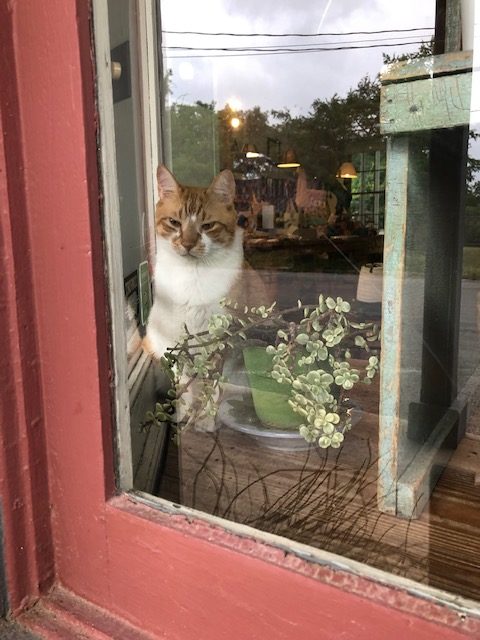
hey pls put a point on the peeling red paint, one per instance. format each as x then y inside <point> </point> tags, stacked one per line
<point>348,581</point>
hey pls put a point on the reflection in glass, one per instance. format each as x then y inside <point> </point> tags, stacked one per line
<point>274,416</point>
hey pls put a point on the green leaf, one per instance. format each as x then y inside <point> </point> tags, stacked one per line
<point>324,442</point>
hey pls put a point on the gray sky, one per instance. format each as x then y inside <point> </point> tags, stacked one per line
<point>282,81</point>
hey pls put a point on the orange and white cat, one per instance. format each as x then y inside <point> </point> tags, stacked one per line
<point>199,257</point>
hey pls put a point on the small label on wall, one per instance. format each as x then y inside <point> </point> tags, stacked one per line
<point>144,292</point>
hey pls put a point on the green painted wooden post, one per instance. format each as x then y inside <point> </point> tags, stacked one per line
<point>402,315</point>
<point>453,34</point>
<point>419,100</point>
<point>396,180</point>
<point>431,93</point>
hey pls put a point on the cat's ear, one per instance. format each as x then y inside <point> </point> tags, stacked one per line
<point>223,187</point>
<point>167,185</point>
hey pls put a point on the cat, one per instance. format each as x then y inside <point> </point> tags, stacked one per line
<point>199,257</point>
<point>199,261</point>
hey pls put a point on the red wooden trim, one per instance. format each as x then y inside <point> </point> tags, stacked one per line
<point>23,466</point>
<point>56,109</point>
<point>64,615</point>
<point>351,581</point>
<point>170,578</point>
<point>277,606</point>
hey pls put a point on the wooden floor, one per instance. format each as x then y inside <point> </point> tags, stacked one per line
<point>328,500</point>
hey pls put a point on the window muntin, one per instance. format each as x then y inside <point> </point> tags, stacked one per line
<point>368,189</point>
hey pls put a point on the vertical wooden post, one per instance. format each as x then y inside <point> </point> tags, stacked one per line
<point>394,272</point>
<point>402,322</point>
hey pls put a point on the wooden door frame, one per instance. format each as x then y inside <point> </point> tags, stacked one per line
<point>79,555</point>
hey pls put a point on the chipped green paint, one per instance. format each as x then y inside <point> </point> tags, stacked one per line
<point>430,93</point>
<point>420,105</point>
<point>416,96</point>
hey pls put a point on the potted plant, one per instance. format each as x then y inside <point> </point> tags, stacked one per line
<point>302,353</point>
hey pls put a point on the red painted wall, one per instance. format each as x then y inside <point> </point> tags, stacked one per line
<point>169,576</point>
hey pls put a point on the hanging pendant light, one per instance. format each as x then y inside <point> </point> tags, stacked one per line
<point>250,150</point>
<point>347,170</point>
<point>289,160</point>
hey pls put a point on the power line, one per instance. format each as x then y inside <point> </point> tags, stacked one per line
<point>291,51</point>
<point>289,46</point>
<point>296,35</point>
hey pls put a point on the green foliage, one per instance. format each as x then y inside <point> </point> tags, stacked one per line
<point>324,136</point>
<point>425,49</point>
<point>310,355</point>
<point>194,139</point>
<point>203,141</point>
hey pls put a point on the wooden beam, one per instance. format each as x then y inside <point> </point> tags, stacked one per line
<point>398,152</point>
<point>420,105</point>
<point>415,486</point>
<point>453,31</point>
<point>427,68</point>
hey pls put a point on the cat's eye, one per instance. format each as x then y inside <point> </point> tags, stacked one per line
<point>174,222</point>
<point>206,226</point>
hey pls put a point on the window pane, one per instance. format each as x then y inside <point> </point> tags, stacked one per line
<point>283,171</point>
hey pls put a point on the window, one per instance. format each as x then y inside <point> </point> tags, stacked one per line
<point>269,409</point>
<point>368,189</point>
<point>286,435</point>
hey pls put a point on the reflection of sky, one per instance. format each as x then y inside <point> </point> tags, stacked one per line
<point>290,81</point>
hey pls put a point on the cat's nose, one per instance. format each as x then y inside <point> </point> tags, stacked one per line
<point>188,245</point>
<point>189,237</point>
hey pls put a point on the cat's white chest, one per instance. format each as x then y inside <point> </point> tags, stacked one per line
<point>187,291</point>
<point>189,283</point>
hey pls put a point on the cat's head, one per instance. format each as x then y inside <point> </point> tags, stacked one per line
<point>196,221</point>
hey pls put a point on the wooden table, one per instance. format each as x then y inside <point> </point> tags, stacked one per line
<point>296,253</point>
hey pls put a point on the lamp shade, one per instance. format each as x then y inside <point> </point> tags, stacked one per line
<point>289,160</point>
<point>347,170</point>
<point>250,150</point>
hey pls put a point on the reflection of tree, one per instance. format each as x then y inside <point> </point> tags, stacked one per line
<point>254,129</point>
<point>333,125</point>
<point>194,142</point>
<point>203,140</point>
<point>425,49</point>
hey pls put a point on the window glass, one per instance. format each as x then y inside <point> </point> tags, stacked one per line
<point>310,362</point>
